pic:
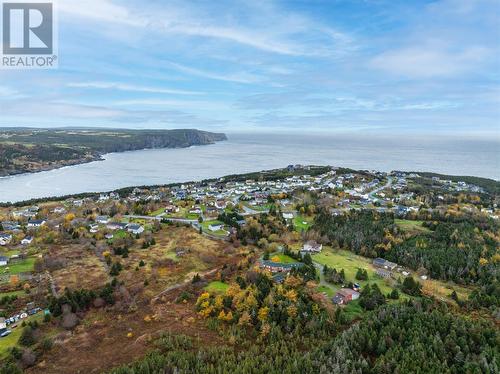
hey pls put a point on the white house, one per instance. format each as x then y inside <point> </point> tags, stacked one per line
<point>215,227</point>
<point>312,246</point>
<point>4,261</point>
<point>5,238</point>
<point>288,215</point>
<point>27,240</point>
<point>102,219</point>
<point>36,223</point>
<point>135,228</point>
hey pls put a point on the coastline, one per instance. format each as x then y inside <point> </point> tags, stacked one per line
<point>94,158</point>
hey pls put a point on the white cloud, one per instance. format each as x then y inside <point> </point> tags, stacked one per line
<point>266,28</point>
<point>241,77</point>
<point>130,87</point>
<point>428,61</point>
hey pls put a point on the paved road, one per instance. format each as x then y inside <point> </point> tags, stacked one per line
<point>160,217</point>
<point>378,189</point>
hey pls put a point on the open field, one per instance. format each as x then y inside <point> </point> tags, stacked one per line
<point>301,223</point>
<point>411,226</point>
<point>12,293</point>
<point>280,257</point>
<point>217,287</point>
<point>350,262</point>
<point>22,266</point>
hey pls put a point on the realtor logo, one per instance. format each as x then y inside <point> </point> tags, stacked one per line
<point>28,35</point>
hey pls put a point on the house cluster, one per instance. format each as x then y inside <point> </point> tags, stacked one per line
<point>25,313</point>
<point>133,228</point>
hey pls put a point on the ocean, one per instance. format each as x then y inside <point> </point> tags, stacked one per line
<point>253,152</point>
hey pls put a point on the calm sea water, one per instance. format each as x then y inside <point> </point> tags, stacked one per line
<point>245,153</point>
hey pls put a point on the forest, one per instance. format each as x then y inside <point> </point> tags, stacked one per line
<point>417,337</point>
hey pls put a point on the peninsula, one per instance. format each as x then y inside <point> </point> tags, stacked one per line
<point>26,150</point>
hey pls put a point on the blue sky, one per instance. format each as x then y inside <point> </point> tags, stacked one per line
<point>301,65</point>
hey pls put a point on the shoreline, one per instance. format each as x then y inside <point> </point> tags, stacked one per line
<point>97,157</point>
<point>116,190</point>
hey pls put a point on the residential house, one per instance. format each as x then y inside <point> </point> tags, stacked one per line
<point>215,227</point>
<point>4,261</point>
<point>276,267</point>
<point>384,264</point>
<point>5,238</point>
<point>10,226</point>
<point>27,240</point>
<point>171,209</point>
<point>288,215</point>
<point>344,296</point>
<point>312,247</point>
<point>34,223</point>
<point>221,204</point>
<point>116,225</point>
<point>102,220</point>
<point>135,228</point>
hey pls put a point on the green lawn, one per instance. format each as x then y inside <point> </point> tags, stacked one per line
<point>353,310</point>
<point>217,287</point>
<point>7,342</point>
<point>259,208</point>
<point>411,226</point>
<point>282,258</point>
<point>205,224</point>
<point>23,266</point>
<point>298,223</point>
<point>120,234</point>
<point>13,293</point>
<point>329,291</point>
<point>157,212</point>
<point>350,262</point>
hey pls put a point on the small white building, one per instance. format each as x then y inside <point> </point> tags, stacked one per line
<point>135,228</point>
<point>312,247</point>
<point>27,240</point>
<point>215,227</point>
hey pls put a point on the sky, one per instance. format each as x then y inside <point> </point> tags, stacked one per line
<point>381,66</point>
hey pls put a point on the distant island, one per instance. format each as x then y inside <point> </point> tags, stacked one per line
<point>27,150</point>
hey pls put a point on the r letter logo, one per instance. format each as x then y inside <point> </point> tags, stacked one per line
<point>28,35</point>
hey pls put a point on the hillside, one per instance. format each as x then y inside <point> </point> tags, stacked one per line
<point>25,150</point>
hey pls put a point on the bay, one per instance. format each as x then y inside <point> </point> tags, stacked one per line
<point>253,152</point>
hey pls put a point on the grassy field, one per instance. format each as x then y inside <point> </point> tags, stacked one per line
<point>9,341</point>
<point>217,287</point>
<point>298,223</point>
<point>281,258</point>
<point>12,293</point>
<point>23,266</point>
<point>411,226</point>
<point>157,212</point>
<point>350,262</point>
<point>205,224</point>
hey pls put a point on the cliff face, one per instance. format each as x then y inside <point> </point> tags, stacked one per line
<point>175,139</point>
